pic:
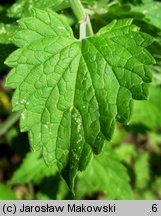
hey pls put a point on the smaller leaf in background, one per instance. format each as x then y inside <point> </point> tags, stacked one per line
<point>145,195</point>
<point>157,186</point>
<point>155,50</point>
<point>155,141</point>
<point>148,113</point>
<point>53,188</point>
<point>151,10</point>
<point>142,171</point>
<point>61,5</point>
<point>104,174</point>
<point>32,169</point>
<point>3,15</point>
<point>6,193</point>
<point>114,10</point>
<point>99,7</point>
<point>126,152</point>
<point>135,2</point>
<point>23,8</point>
<point>118,136</point>
<point>63,192</point>
<point>6,32</point>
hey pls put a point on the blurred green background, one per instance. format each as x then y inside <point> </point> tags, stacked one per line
<point>130,165</point>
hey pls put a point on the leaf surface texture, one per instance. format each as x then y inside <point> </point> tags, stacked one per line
<point>70,91</point>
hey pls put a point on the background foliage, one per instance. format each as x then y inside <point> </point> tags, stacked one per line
<point>130,165</point>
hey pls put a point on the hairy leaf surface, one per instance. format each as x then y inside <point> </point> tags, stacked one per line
<point>70,91</point>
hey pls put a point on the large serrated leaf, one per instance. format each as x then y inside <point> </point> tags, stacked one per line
<point>70,91</point>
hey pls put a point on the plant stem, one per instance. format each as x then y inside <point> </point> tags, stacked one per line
<point>83,18</point>
<point>5,126</point>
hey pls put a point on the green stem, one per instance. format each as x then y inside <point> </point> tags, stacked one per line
<point>82,16</point>
<point>7,124</point>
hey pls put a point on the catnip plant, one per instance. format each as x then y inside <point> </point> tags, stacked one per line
<point>70,91</point>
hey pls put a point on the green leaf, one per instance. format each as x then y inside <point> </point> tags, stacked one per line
<point>145,195</point>
<point>104,174</point>
<point>6,32</point>
<point>32,169</point>
<point>126,152</point>
<point>148,112</point>
<point>70,91</point>
<point>6,193</point>
<point>60,191</point>
<point>142,171</point>
<point>23,8</point>
<point>154,141</point>
<point>156,186</point>
<point>135,2</point>
<point>155,50</point>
